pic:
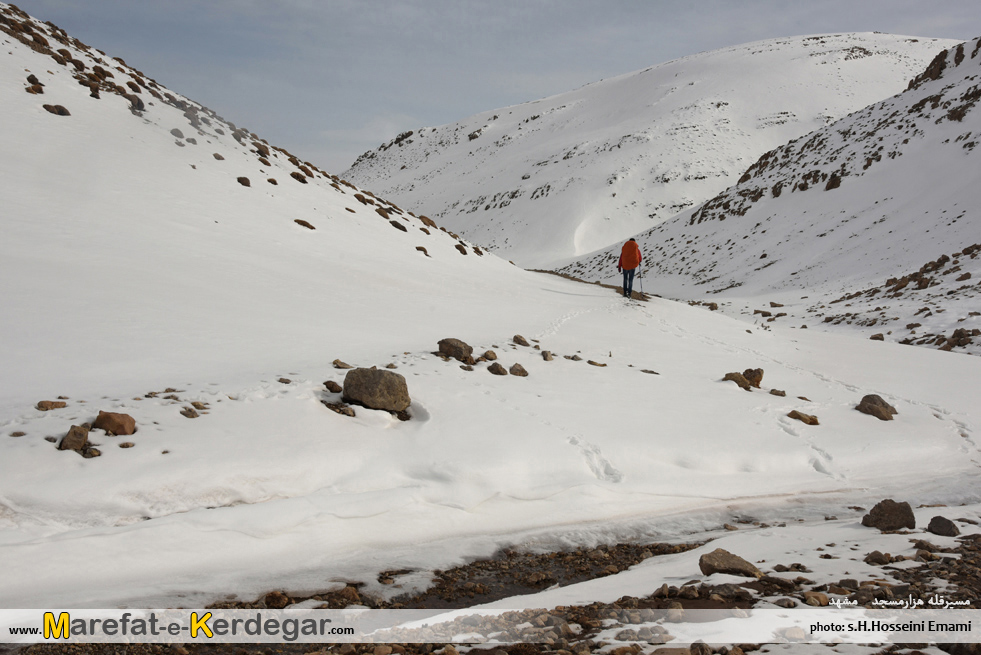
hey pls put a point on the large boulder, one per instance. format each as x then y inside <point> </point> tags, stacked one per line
<point>376,389</point>
<point>722,561</point>
<point>889,515</point>
<point>114,423</point>
<point>875,406</point>
<point>942,526</point>
<point>458,350</point>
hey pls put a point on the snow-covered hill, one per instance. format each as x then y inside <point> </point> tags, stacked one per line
<point>564,176</point>
<point>870,223</point>
<point>139,276</point>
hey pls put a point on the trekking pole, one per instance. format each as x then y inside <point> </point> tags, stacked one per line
<point>640,269</point>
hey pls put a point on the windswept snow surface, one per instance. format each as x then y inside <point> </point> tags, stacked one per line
<point>869,225</point>
<point>560,177</point>
<point>132,261</point>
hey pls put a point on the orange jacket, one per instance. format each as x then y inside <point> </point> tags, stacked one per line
<point>630,256</point>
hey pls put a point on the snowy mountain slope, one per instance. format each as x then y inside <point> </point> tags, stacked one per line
<point>114,218</point>
<point>139,276</point>
<point>563,176</point>
<point>870,223</point>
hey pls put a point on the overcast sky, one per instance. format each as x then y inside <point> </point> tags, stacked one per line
<point>329,79</point>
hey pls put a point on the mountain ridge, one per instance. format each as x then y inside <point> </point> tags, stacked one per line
<point>547,180</point>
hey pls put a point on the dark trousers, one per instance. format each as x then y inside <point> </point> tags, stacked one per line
<point>628,281</point>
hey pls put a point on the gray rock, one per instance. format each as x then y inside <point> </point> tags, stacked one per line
<point>722,561</point>
<point>942,526</point>
<point>376,389</point>
<point>889,515</point>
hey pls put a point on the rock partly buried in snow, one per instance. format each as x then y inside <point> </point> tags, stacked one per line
<point>339,364</point>
<point>497,369</point>
<point>889,515</point>
<point>376,389</point>
<point>48,405</point>
<point>458,350</point>
<point>547,355</point>
<point>520,340</point>
<point>778,392</point>
<point>490,355</point>
<point>875,406</point>
<point>807,419</point>
<point>878,337</point>
<point>722,561</point>
<point>332,386</point>
<point>942,526</point>
<point>76,439</point>
<point>754,376</point>
<point>518,370</point>
<point>739,379</point>
<point>114,423</point>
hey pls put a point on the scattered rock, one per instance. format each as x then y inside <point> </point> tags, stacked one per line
<point>816,598</point>
<point>57,110</point>
<point>807,419</point>
<point>458,350</point>
<point>422,250</point>
<point>943,527</point>
<point>218,157</point>
<point>285,381</point>
<point>754,376</point>
<point>547,356</point>
<point>466,367</point>
<point>51,439</point>
<point>778,392</point>
<point>276,600</point>
<point>575,358</point>
<point>876,558</point>
<point>589,361</point>
<point>490,356</point>
<point>739,379</point>
<point>391,366</point>
<point>332,386</point>
<point>877,337</point>
<point>722,561</point>
<point>18,433</point>
<point>889,515</point>
<point>340,408</point>
<point>520,340</point>
<point>644,370</point>
<point>518,370</point>
<point>177,133</point>
<point>497,369</point>
<point>48,405</point>
<point>339,364</point>
<point>90,452</point>
<point>76,439</point>
<point>127,444</point>
<point>875,406</point>
<point>189,412</point>
<point>114,423</point>
<point>306,224</point>
<point>377,389</point>
<point>244,181</point>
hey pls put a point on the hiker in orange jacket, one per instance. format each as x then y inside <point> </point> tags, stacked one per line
<point>630,259</point>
